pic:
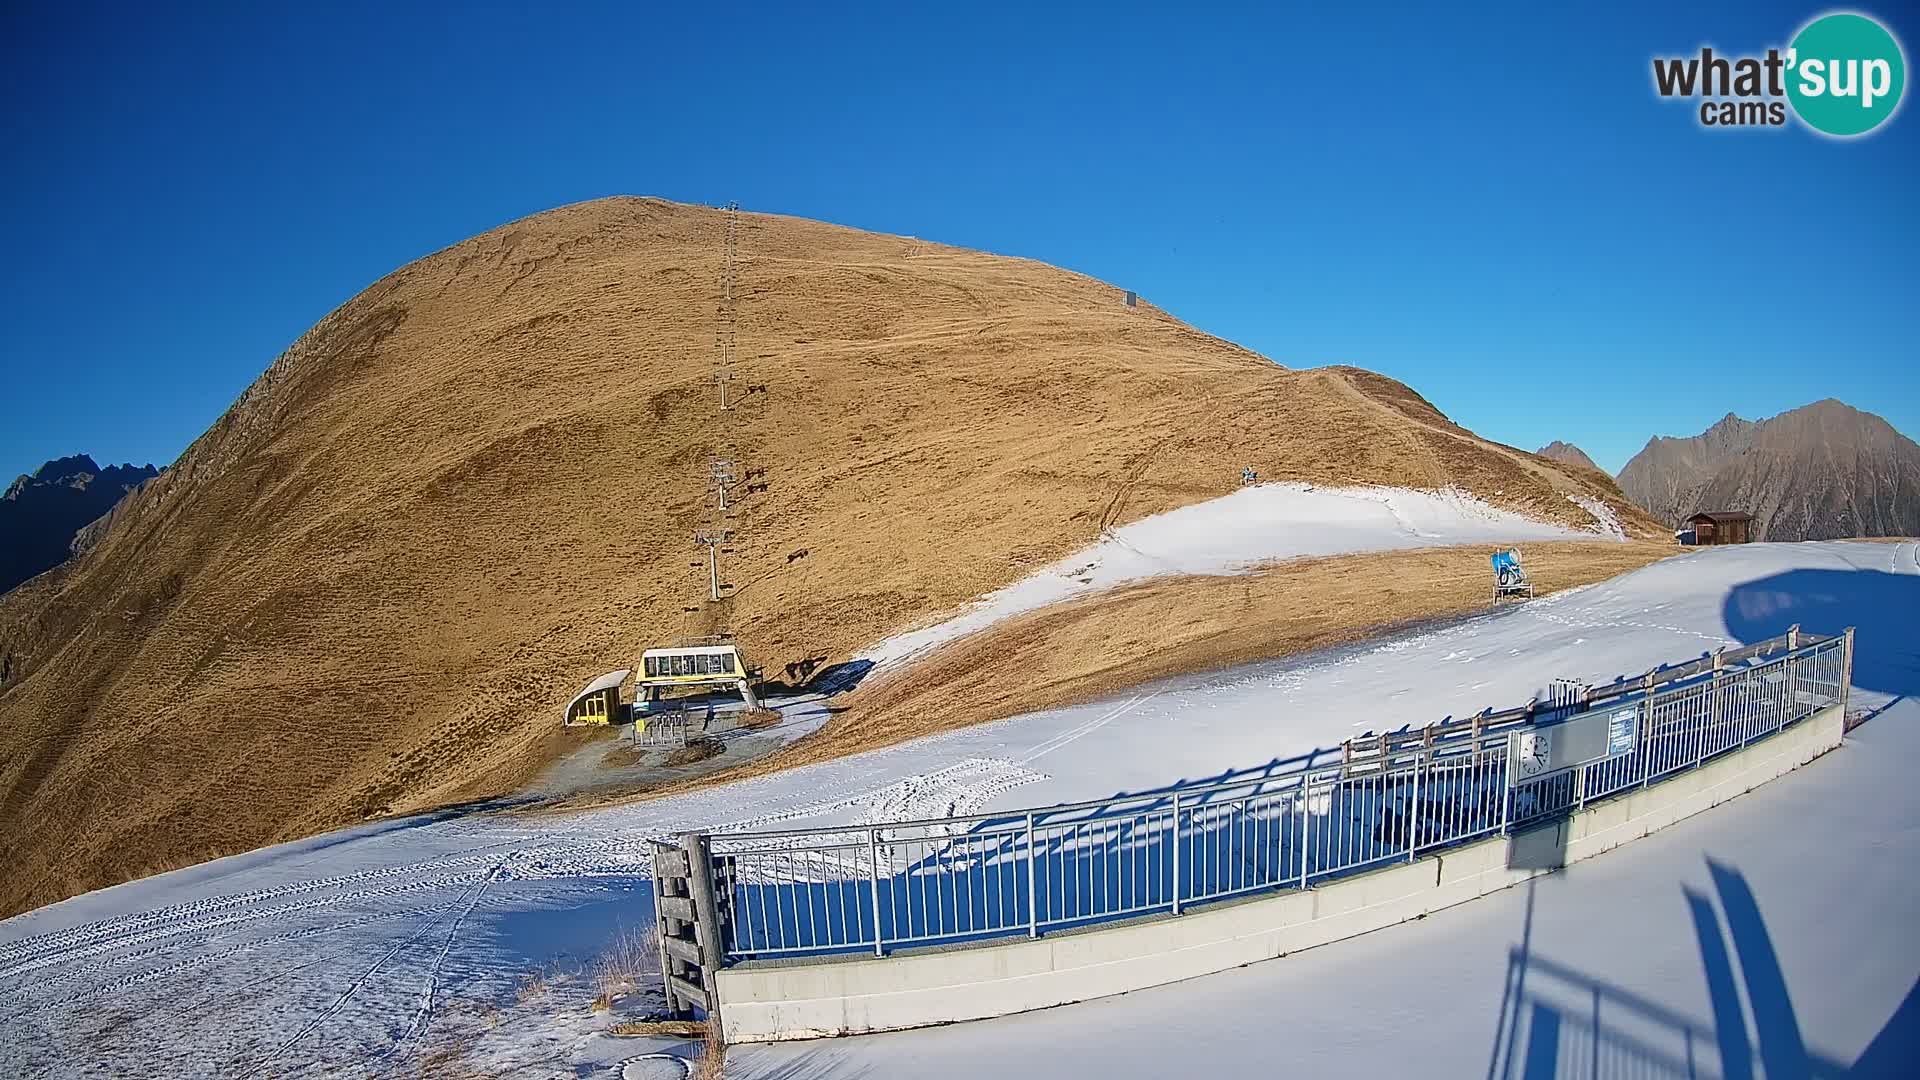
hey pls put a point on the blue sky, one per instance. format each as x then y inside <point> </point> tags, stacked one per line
<point>1494,208</point>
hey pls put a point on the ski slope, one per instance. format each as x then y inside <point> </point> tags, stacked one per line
<point>378,950</point>
<point>1773,937</point>
<point>1254,525</point>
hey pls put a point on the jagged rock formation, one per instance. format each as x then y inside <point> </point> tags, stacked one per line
<point>42,512</point>
<point>1567,454</point>
<point>1819,472</point>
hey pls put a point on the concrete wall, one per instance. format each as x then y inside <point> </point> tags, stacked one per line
<point>761,1002</point>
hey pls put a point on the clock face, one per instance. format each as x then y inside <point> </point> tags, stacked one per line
<point>1535,746</point>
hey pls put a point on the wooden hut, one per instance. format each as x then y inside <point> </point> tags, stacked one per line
<point>1721,527</point>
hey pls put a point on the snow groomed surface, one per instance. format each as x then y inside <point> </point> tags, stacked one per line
<point>922,988</point>
<point>1770,937</point>
<point>359,952</point>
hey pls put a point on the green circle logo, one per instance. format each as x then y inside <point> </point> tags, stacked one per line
<point>1845,74</point>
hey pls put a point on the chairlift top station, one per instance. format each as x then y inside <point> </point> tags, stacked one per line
<point>714,661</point>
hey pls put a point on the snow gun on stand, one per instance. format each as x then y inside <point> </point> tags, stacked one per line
<point>1509,577</point>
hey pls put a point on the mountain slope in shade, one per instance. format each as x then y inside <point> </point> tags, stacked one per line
<point>1822,471</point>
<point>1568,454</point>
<point>41,512</point>
<point>372,584</point>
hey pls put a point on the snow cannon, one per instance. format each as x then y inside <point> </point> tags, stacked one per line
<point>1509,577</point>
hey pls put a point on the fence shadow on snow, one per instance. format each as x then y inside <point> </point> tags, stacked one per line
<point>1558,1023</point>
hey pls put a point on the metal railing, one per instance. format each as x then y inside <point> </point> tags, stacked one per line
<point>1376,800</point>
<point>670,729</point>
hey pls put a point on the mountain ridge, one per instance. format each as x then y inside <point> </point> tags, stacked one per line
<point>370,585</point>
<point>43,513</point>
<point>1568,454</point>
<point>1825,470</point>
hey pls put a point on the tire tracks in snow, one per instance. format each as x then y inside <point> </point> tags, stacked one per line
<point>346,995</point>
<point>424,1015</point>
<point>191,926</point>
<point>64,941</point>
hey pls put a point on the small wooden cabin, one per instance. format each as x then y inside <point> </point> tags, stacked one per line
<point>599,703</point>
<point>1721,527</point>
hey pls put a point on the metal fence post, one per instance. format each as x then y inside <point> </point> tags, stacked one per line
<point>1176,851</point>
<point>873,882</point>
<point>1793,692</point>
<point>1413,811</point>
<point>1646,733</point>
<point>1033,893</point>
<point>1580,788</point>
<point>1306,791</point>
<point>1746,713</point>
<point>1846,675</point>
<point>1506,777</point>
<point>1714,709</point>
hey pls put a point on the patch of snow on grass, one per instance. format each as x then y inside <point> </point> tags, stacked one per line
<point>1237,532</point>
<point>1605,521</point>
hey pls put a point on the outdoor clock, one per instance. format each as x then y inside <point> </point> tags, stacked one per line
<point>1535,749</point>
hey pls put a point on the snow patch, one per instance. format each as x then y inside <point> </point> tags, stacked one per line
<point>1235,533</point>
<point>1605,521</point>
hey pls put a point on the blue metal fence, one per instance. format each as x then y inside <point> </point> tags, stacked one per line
<point>1377,800</point>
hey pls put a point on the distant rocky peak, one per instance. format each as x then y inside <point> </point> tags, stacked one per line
<point>43,512</point>
<point>1567,454</point>
<point>61,470</point>
<point>1820,471</point>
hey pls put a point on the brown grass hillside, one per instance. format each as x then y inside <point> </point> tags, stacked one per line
<point>369,586</point>
<point>1097,646</point>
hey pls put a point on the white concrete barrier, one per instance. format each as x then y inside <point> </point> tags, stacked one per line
<point>798,999</point>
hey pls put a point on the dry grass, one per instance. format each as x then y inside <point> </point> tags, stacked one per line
<point>662,1029</point>
<point>694,752</point>
<point>369,588</point>
<point>532,986</point>
<point>712,1062</point>
<point>632,958</point>
<point>627,753</point>
<point>450,1063</point>
<point>757,719</point>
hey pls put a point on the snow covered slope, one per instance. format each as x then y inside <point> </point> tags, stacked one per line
<point>1621,966</point>
<point>360,952</point>
<point>1254,525</point>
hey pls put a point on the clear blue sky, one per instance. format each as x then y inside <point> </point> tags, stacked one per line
<point>1492,207</point>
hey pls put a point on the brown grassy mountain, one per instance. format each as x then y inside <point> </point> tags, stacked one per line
<point>371,584</point>
<point>41,512</point>
<point>1819,472</point>
<point>1567,454</point>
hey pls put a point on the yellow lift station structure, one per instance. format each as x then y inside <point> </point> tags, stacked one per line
<point>693,665</point>
<point>599,703</point>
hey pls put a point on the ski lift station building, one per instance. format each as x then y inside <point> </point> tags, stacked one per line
<point>718,666</point>
<point>713,665</point>
<point>599,703</point>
